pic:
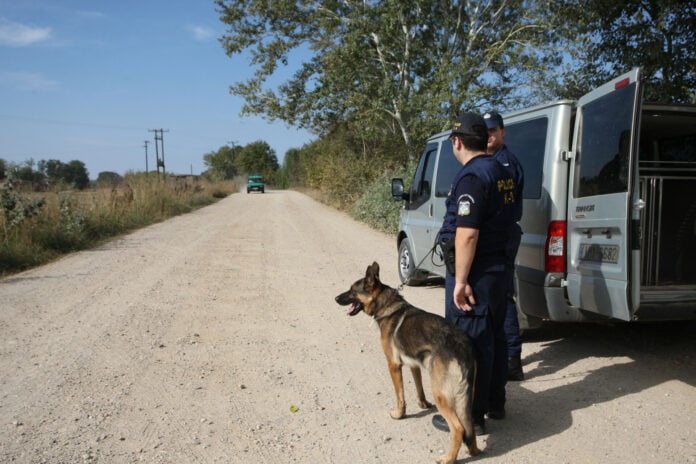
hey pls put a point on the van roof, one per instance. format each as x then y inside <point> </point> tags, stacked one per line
<point>542,106</point>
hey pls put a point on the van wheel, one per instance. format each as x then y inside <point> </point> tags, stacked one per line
<point>407,268</point>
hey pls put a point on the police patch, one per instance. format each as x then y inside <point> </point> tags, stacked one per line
<point>464,208</point>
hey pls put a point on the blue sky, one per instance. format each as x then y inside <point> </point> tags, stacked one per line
<point>87,80</point>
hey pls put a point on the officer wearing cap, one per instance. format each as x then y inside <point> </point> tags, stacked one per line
<point>500,151</point>
<point>473,237</point>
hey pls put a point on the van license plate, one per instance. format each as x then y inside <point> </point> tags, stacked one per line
<point>599,253</point>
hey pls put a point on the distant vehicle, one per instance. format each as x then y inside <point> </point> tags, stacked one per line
<point>609,221</point>
<point>255,183</point>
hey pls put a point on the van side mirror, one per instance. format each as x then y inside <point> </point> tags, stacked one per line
<point>397,189</point>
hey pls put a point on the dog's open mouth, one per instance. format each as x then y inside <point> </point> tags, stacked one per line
<point>355,308</point>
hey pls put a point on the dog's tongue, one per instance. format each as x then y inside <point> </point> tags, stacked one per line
<point>353,308</point>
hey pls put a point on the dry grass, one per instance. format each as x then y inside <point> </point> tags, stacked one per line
<point>74,220</point>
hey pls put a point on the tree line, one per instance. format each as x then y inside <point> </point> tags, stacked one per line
<point>374,79</point>
<point>46,173</point>
<point>234,160</point>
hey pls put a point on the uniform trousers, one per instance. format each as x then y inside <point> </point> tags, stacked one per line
<point>485,326</point>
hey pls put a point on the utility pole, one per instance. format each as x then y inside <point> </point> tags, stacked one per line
<point>146,168</point>
<point>160,138</point>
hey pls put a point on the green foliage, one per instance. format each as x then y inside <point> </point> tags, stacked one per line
<point>231,161</point>
<point>222,164</point>
<point>609,37</point>
<point>73,173</point>
<point>109,179</point>
<point>380,77</point>
<point>258,158</point>
<point>376,206</point>
<point>384,70</point>
<point>71,224</point>
<point>16,208</point>
<point>27,174</point>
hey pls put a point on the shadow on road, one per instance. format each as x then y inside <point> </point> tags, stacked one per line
<point>640,356</point>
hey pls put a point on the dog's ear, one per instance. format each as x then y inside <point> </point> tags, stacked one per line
<point>372,276</point>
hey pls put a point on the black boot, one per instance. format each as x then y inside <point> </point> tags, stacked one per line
<point>515,368</point>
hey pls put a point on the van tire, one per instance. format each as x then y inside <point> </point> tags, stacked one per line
<point>407,268</point>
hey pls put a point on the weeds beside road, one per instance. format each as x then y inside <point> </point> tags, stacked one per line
<point>38,227</point>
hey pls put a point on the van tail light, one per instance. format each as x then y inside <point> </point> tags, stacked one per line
<point>555,254</point>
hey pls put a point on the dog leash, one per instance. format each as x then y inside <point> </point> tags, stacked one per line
<point>430,253</point>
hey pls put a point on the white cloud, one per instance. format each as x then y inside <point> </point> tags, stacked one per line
<point>201,32</point>
<point>27,81</point>
<point>20,35</point>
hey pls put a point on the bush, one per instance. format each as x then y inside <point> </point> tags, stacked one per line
<point>376,207</point>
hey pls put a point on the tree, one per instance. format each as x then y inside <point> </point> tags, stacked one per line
<point>76,173</point>
<point>258,157</point>
<point>73,173</point>
<point>108,178</point>
<point>398,68</point>
<point>294,170</point>
<point>222,165</point>
<point>25,172</point>
<point>3,168</point>
<point>609,37</point>
<point>53,170</point>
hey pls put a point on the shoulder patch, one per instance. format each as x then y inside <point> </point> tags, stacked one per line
<point>464,207</point>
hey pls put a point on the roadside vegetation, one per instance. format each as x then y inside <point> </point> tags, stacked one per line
<point>373,80</point>
<point>37,227</point>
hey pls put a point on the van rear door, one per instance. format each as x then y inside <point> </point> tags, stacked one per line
<point>603,249</point>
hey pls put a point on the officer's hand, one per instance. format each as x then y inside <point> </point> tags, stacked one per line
<point>464,296</point>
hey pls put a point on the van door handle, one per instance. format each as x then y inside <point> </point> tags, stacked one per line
<point>430,210</point>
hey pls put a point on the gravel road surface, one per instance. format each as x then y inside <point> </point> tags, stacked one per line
<point>214,337</point>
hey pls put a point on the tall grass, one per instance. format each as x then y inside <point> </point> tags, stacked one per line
<point>70,220</point>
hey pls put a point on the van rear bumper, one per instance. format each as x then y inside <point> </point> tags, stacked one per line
<point>540,294</point>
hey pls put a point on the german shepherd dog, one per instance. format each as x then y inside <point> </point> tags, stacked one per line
<point>420,339</point>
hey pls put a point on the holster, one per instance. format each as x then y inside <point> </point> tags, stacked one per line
<point>447,247</point>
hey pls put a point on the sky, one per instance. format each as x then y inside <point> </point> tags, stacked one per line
<point>89,80</point>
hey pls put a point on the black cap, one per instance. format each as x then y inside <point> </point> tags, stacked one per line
<point>470,124</point>
<point>493,119</point>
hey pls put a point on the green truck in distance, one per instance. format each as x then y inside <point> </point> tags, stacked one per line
<point>255,183</point>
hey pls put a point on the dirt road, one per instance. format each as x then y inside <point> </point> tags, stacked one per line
<point>214,338</point>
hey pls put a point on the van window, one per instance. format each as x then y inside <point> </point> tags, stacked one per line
<point>603,151</point>
<point>447,168</point>
<point>527,140</point>
<point>423,179</point>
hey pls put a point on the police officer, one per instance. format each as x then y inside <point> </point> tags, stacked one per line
<point>474,237</point>
<point>500,151</point>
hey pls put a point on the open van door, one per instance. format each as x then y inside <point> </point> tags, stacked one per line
<point>603,249</point>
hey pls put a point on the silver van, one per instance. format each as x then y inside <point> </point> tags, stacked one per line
<point>609,222</point>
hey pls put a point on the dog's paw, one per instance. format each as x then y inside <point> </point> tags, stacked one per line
<point>445,459</point>
<point>424,404</point>
<point>398,413</point>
